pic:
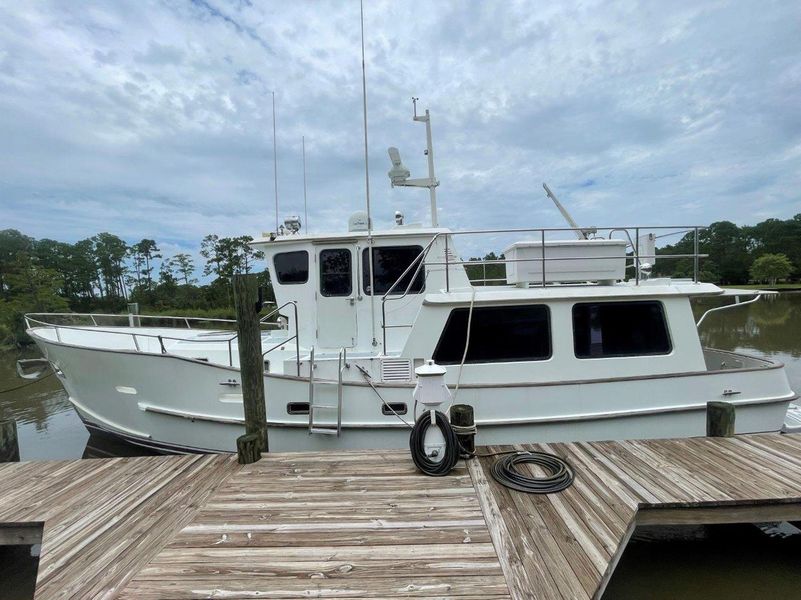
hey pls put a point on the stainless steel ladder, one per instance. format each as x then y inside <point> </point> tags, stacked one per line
<point>326,427</point>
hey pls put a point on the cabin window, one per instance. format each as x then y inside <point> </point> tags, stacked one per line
<point>292,267</point>
<point>606,329</point>
<point>497,334</point>
<point>389,263</point>
<point>336,277</point>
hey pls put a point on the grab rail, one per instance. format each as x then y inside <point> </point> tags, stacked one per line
<point>31,318</point>
<point>294,337</point>
<point>420,261</point>
<point>634,244</point>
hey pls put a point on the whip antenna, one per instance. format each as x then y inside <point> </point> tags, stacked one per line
<point>367,183</point>
<point>275,168</point>
<point>305,209</point>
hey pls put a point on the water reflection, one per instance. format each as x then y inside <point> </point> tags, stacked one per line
<point>709,563</point>
<point>770,328</point>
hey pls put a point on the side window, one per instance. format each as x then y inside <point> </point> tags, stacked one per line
<point>606,329</point>
<point>336,277</point>
<point>389,263</point>
<point>497,334</point>
<point>292,267</point>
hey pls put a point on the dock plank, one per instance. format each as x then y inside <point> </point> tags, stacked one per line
<point>358,524</point>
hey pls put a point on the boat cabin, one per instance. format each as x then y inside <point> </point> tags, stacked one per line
<point>563,312</point>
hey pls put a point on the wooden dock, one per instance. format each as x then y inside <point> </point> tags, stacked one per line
<point>367,525</point>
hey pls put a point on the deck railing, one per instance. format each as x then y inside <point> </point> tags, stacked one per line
<point>634,258</point>
<point>47,320</point>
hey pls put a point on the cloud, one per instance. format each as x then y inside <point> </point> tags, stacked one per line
<point>154,119</point>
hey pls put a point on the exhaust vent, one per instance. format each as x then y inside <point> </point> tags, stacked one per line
<point>396,369</point>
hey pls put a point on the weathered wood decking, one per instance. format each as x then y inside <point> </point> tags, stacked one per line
<point>366,525</point>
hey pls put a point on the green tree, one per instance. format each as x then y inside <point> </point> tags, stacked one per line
<point>144,252</point>
<point>771,267</point>
<point>185,267</point>
<point>12,242</point>
<point>166,273</point>
<point>109,254</point>
<point>32,288</point>
<point>228,256</point>
<point>211,250</point>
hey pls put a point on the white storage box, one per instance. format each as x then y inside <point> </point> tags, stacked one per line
<point>568,260</point>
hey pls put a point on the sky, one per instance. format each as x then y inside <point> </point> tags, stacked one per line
<point>154,118</point>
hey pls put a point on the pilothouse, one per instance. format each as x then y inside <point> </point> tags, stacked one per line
<point>568,339</point>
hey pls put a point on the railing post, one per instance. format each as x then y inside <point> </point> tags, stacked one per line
<point>297,338</point>
<point>637,255</point>
<point>542,247</point>
<point>384,323</point>
<point>133,310</point>
<point>251,367</point>
<point>447,274</point>
<point>695,257</point>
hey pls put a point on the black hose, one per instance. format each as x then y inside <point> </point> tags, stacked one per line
<point>561,475</point>
<point>417,445</point>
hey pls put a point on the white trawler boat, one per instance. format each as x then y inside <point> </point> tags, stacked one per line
<point>563,348</point>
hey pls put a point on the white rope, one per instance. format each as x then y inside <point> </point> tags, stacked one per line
<point>369,381</point>
<point>466,347</point>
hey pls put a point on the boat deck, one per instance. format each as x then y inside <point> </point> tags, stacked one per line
<point>367,525</point>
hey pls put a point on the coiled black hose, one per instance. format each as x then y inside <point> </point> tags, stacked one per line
<point>561,476</point>
<point>417,445</point>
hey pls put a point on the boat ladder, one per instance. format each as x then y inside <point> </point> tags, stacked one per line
<point>317,424</point>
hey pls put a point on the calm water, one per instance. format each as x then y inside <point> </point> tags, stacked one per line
<point>729,562</point>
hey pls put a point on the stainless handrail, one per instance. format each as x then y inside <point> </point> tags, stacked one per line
<point>295,337</point>
<point>30,318</point>
<point>636,256</point>
<point>420,261</point>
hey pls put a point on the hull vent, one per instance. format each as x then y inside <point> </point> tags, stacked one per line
<point>396,369</point>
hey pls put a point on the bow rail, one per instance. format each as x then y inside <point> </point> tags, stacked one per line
<point>131,321</point>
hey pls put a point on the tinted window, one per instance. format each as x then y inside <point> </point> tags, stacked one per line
<point>389,263</point>
<point>335,272</point>
<point>619,329</point>
<point>497,334</point>
<point>292,267</point>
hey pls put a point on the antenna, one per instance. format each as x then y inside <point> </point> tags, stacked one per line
<point>367,184</point>
<point>275,168</point>
<point>305,209</point>
<point>581,233</point>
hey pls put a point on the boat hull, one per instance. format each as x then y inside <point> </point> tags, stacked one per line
<point>176,404</point>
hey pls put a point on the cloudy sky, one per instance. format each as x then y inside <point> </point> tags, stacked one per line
<point>153,119</point>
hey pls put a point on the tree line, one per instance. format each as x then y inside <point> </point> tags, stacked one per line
<point>761,253</point>
<point>103,273</point>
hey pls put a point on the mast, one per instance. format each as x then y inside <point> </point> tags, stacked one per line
<point>432,181</point>
<point>399,174</point>
<point>367,185</point>
<point>305,208</point>
<point>275,168</point>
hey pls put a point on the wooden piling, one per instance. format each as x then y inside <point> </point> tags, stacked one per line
<point>462,416</point>
<point>251,366</point>
<point>9,445</point>
<point>247,448</point>
<point>720,418</point>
